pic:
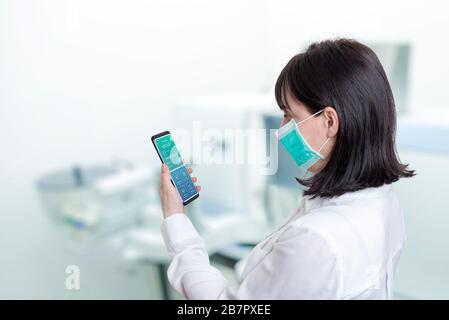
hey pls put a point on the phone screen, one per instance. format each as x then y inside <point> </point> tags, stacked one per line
<point>169,155</point>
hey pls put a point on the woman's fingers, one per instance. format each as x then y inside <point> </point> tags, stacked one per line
<point>165,178</point>
<point>194,179</point>
<point>165,175</point>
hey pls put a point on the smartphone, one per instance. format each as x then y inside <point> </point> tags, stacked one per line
<point>180,177</point>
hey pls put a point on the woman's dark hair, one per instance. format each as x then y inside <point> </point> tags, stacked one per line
<point>348,76</point>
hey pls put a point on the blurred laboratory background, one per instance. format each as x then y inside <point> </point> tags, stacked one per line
<point>84,85</point>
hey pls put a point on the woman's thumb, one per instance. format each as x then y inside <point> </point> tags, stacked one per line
<point>165,176</point>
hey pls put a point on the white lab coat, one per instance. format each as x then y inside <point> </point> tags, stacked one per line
<point>344,247</point>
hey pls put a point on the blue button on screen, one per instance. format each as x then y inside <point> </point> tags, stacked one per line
<point>181,178</point>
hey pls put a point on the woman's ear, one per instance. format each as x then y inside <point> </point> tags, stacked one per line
<point>331,121</point>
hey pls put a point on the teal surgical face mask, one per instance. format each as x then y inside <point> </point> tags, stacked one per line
<point>297,147</point>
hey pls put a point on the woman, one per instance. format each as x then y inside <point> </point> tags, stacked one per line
<point>345,239</point>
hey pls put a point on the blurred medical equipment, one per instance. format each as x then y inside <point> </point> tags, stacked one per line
<point>92,201</point>
<point>118,205</point>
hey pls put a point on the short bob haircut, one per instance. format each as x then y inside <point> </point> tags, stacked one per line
<point>347,76</point>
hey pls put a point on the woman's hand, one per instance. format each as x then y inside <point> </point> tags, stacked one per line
<point>170,200</point>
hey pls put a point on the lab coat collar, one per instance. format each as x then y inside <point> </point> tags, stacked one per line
<point>310,204</point>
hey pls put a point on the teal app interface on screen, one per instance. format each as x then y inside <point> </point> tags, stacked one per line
<point>171,157</point>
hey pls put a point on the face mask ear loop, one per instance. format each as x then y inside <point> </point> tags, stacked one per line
<point>311,116</point>
<point>322,146</point>
<point>304,175</point>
